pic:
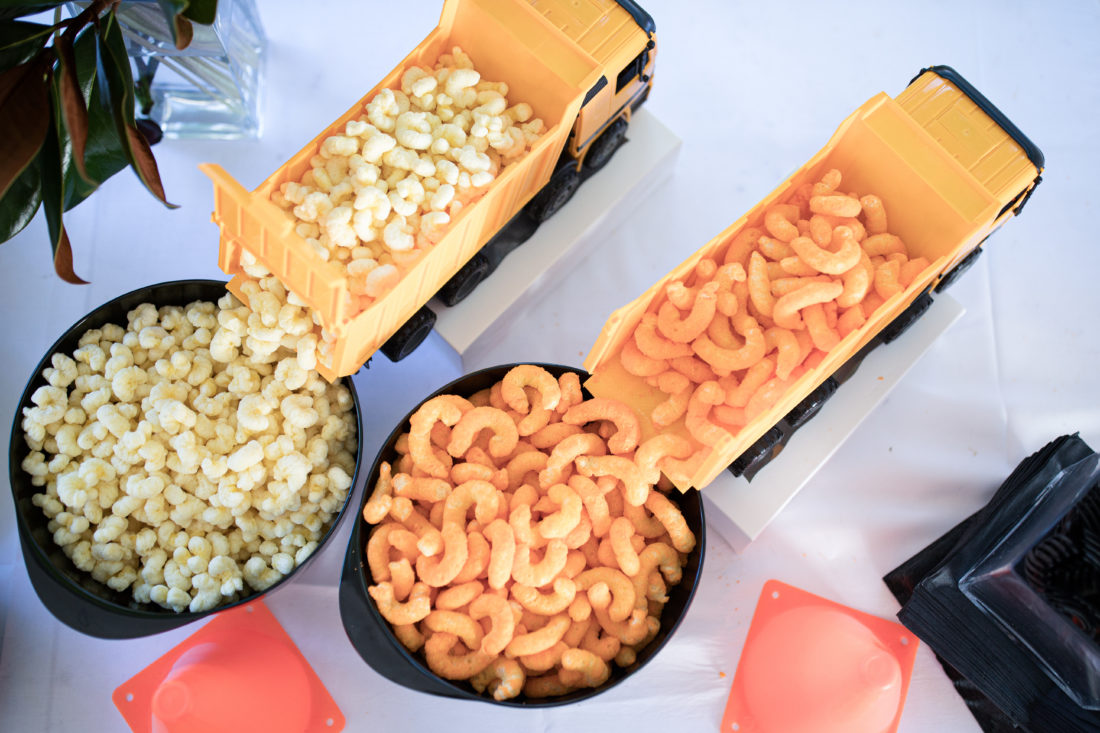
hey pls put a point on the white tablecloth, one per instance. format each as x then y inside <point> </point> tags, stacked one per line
<point>753,89</point>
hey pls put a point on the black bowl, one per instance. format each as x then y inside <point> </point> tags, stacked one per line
<point>372,637</point>
<point>69,593</point>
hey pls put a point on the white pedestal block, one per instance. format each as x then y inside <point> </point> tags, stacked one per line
<point>601,204</point>
<point>739,509</point>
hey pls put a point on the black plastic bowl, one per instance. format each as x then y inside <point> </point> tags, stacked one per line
<point>372,637</point>
<point>70,594</point>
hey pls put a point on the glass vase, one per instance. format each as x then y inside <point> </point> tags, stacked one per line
<point>212,88</point>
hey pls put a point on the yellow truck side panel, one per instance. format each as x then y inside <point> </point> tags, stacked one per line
<point>939,208</point>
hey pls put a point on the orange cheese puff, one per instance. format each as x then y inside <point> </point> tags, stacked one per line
<point>637,363</point>
<point>787,307</point>
<point>653,344</point>
<point>701,428</point>
<point>794,265</point>
<point>874,214</point>
<point>759,284</point>
<point>720,331</point>
<point>437,651</point>
<point>680,295</point>
<point>780,221</point>
<point>741,245</point>
<point>693,368</point>
<point>729,417</point>
<point>851,319</point>
<point>821,230</point>
<point>824,338</point>
<point>767,395</point>
<point>671,409</point>
<point>627,427</point>
<point>857,282</point>
<point>835,205</point>
<point>756,375</point>
<point>884,244</point>
<point>831,179</point>
<point>788,353</point>
<point>685,328</point>
<point>911,269</point>
<point>837,262</point>
<point>725,361</point>
<point>886,279</point>
<point>773,249</point>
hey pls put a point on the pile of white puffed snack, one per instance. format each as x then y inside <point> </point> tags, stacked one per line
<point>380,195</point>
<point>194,452</point>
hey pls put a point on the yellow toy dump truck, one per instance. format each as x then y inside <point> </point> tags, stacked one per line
<point>947,168</point>
<point>582,67</point>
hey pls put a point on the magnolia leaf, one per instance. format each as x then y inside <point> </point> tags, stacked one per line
<point>24,118</point>
<point>53,196</point>
<point>103,155</point>
<point>21,202</point>
<point>73,105</point>
<point>202,11</point>
<point>180,26</point>
<point>117,85</point>
<point>20,41</point>
<point>182,32</point>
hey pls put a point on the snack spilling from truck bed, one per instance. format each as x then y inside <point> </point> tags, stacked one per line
<point>519,541</point>
<point>727,341</point>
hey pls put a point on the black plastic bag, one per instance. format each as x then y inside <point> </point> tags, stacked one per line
<point>981,597</point>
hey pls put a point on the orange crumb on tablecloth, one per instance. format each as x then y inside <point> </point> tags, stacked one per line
<point>881,378</point>
<point>721,674</point>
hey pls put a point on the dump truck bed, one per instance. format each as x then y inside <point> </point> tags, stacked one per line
<point>948,174</point>
<point>508,40</point>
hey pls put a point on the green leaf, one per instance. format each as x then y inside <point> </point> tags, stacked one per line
<point>19,41</point>
<point>71,102</point>
<point>117,86</point>
<point>202,11</point>
<point>103,154</point>
<point>24,118</point>
<point>21,202</point>
<point>53,195</point>
<point>181,27</point>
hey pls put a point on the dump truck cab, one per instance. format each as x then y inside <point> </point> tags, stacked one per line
<point>621,38</point>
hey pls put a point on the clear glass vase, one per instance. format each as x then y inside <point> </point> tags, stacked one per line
<point>212,88</point>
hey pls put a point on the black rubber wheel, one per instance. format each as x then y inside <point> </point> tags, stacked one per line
<point>906,318</point>
<point>463,282</point>
<point>757,455</point>
<point>554,195</point>
<point>411,334</point>
<point>801,413</point>
<point>606,145</point>
<point>964,264</point>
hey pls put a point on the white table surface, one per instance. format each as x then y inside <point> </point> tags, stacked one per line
<point>753,89</point>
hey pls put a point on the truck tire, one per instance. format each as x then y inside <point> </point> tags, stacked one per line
<point>906,318</point>
<point>605,145</point>
<point>801,413</point>
<point>554,195</point>
<point>411,334</point>
<point>964,264</point>
<point>758,454</point>
<point>463,282</point>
